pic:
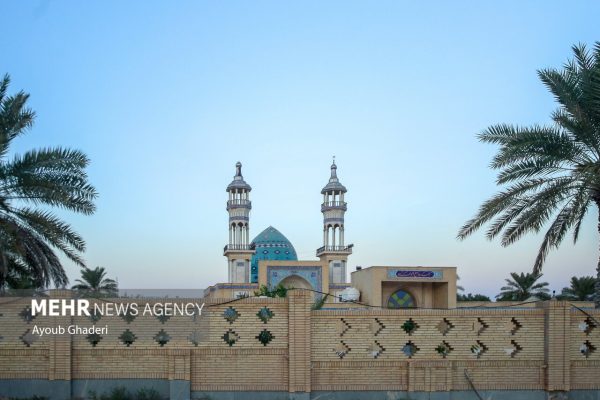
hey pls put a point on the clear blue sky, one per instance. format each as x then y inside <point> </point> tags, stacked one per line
<point>165,97</point>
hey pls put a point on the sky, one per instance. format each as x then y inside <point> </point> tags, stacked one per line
<point>165,98</point>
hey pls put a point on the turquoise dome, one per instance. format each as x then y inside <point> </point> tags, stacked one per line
<point>270,244</point>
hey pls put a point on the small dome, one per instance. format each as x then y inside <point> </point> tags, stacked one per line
<point>270,244</point>
<point>334,182</point>
<point>238,180</point>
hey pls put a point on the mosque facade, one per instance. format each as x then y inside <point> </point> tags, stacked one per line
<point>270,259</point>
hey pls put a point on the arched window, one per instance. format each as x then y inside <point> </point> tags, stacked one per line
<point>401,299</point>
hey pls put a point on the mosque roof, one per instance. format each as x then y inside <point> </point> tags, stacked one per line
<point>271,244</point>
<point>238,180</point>
<point>334,182</point>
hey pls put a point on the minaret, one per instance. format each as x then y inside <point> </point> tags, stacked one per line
<point>334,250</point>
<point>238,251</point>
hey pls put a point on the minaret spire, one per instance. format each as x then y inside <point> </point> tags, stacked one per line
<point>238,250</point>
<point>334,207</point>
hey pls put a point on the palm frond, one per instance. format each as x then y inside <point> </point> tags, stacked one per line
<point>571,214</point>
<point>523,286</point>
<point>55,177</point>
<point>539,208</point>
<point>552,171</point>
<point>94,282</point>
<point>511,197</point>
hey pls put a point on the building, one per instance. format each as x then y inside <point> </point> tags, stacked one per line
<point>270,259</point>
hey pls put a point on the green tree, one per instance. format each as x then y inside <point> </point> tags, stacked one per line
<point>550,174</point>
<point>23,285</point>
<point>277,291</point>
<point>581,289</point>
<point>523,286</point>
<point>30,236</point>
<point>22,282</point>
<point>94,282</point>
<point>319,302</point>
<point>472,297</point>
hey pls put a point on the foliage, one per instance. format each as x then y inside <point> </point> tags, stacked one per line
<point>23,282</point>
<point>472,297</point>
<point>121,393</point>
<point>29,398</point>
<point>550,173</point>
<point>30,237</point>
<point>277,291</point>
<point>523,286</point>
<point>94,282</point>
<point>581,289</point>
<point>23,285</point>
<point>147,394</point>
<point>320,302</point>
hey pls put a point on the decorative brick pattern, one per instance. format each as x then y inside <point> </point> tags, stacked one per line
<point>428,368</point>
<point>584,370</point>
<point>341,349</point>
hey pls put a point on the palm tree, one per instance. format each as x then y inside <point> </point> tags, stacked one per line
<point>30,237</point>
<point>551,173</point>
<point>581,289</point>
<point>523,286</point>
<point>94,282</point>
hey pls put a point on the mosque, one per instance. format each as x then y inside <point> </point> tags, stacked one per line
<point>271,260</point>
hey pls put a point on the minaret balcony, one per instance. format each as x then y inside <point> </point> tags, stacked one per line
<point>241,248</point>
<point>334,205</point>
<point>239,203</point>
<point>342,250</point>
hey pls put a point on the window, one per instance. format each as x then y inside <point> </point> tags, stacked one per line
<point>401,299</point>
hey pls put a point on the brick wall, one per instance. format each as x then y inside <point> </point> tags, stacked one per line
<point>332,349</point>
<point>372,349</point>
<point>584,371</point>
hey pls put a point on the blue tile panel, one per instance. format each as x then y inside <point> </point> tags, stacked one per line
<point>276,274</point>
<point>403,273</point>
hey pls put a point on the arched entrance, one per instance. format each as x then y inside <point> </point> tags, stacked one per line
<point>296,282</point>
